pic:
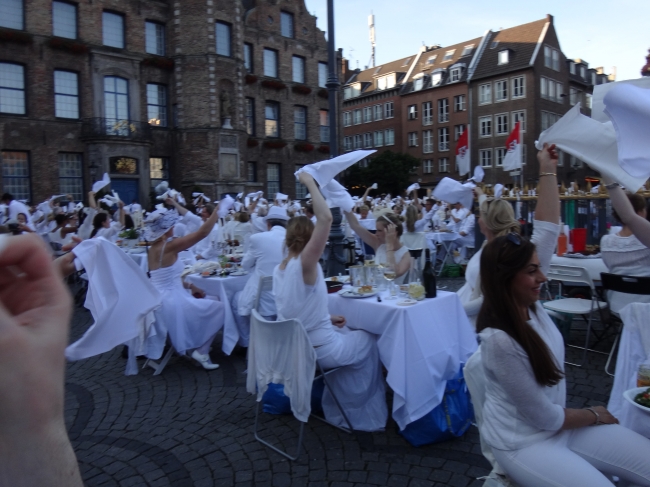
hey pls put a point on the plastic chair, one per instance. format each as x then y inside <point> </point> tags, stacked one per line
<point>281,361</point>
<point>627,285</point>
<point>578,306</point>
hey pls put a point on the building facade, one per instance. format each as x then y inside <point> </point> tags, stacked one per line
<point>221,97</point>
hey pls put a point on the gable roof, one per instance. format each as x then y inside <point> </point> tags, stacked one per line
<point>368,77</point>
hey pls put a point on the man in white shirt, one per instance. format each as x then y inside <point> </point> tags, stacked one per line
<point>458,214</point>
<point>466,239</point>
<point>265,251</point>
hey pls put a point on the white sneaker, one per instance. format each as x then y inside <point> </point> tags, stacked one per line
<point>204,360</point>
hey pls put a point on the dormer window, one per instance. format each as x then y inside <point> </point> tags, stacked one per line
<point>436,78</point>
<point>504,56</point>
<point>432,59</point>
<point>386,82</point>
<point>455,74</point>
<point>593,78</point>
<point>494,44</point>
<point>377,70</point>
<point>406,61</point>
<point>351,91</point>
<point>467,50</point>
<point>583,72</point>
<point>572,68</point>
<point>448,55</point>
<point>418,82</point>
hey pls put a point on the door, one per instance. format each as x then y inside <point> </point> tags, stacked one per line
<point>127,189</point>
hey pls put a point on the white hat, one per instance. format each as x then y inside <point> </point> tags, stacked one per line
<point>276,213</point>
<point>159,222</point>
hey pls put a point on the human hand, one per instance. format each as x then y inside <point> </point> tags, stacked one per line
<point>338,321</point>
<point>391,235</point>
<point>196,292</point>
<point>604,416</point>
<point>170,201</point>
<point>120,204</point>
<point>547,158</point>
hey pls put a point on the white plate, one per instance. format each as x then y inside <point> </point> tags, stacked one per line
<point>630,394</point>
<point>341,279</point>
<point>581,256</point>
<point>349,293</point>
<point>406,302</point>
<point>240,273</point>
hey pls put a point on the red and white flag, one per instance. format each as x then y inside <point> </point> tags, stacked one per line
<point>462,153</point>
<point>512,160</point>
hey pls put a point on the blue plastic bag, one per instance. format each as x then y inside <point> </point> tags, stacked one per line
<point>275,402</point>
<point>450,419</point>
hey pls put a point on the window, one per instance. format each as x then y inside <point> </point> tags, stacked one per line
<point>66,94</point>
<point>559,91</point>
<point>427,113</point>
<point>379,138</point>
<point>485,126</point>
<point>11,15</point>
<point>551,89</point>
<point>467,50</point>
<point>543,87</point>
<point>459,103</point>
<point>504,57</point>
<point>583,72</point>
<point>224,39</point>
<point>443,164</point>
<point>347,143</point>
<point>64,20</point>
<point>357,141</point>
<point>519,116</point>
<point>494,44</point>
<point>455,75</point>
<point>272,119</point>
<point>427,141</point>
<point>286,23</point>
<point>157,105</point>
<point>501,90</point>
<point>436,78</point>
<point>413,139</point>
<point>548,57</point>
<point>431,59</point>
<point>324,121</point>
<point>485,156</point>
<point>378,112</point>
<point>357,117</point>
<point>545,120</point>
<point>593,78</point>
<point>351,91</point>
<point>556,60</point>
<point>71,179</point>
<point>502,123</point>
<point>116,103</point>
<point>386,82</point>
<point>270,63</point>
<point>273,179</point>
<point>322,75</point>
<point>412,112</point>
<point>15,174</point>
<point>458,131</point>
<point>427,166</point>
<point>367,140</point>
<point>248,57</point>
<point>367,114</point>
<point>298,65</point>
<point>449,55</point>
<point>347,119</point>
<point>572,67</point>
<point>499,154</point>
<point>251,170</point>
<point>485,94</point>
<point>301,189</point>
<point>443,139</point>
<point>588,100</point>
<point>155,38</point>
<point>113,29</point>
<point>389,110</point>
<point>573,96</point>
<point>406,61</point>
<point>250,116</point>
<point>389,137</point>
<point>443,110</point>
<point>418,82</point>
<point>518,87</point>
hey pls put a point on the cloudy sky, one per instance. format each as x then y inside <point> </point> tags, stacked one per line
<point>602,32</point>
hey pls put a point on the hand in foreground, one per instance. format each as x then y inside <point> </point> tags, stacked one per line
<point>604,416</point>
<point>338,321</point>
<point>35,309</point>
<point>548,158</point>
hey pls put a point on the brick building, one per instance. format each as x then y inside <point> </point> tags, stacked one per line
<point>213,95</point>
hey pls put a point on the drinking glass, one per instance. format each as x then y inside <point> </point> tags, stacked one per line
<point>390,275</point>
<point>369,259</point>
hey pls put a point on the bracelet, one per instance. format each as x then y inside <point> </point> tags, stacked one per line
<point>613,185</point>
<point>547,174</point>
<point>597,416</point>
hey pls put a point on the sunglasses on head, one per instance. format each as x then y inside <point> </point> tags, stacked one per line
<point>514,238</point>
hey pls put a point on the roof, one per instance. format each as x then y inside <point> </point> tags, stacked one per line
<point>368,77</point>
<point>521,41</point>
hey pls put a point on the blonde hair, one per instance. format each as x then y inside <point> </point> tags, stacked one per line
<point>299,230</point>
<point>499,217</point>
<point>387,218</point>
<point>411,218</point>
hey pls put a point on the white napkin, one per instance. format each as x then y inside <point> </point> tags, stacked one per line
<point>628,107</point>
<point>225,205</point>
<point>592,142</point>
<point>97,185</point>
<point>412,187</point>
<point>498,190</point>
<point>281,197</point>
<point>255,196</point>
<point>452,191</point>
<point>198,196</point>
<point>162,187</point>
<point>600,91</point>
<point>479,174</point>
<point>323,172</point>
<point>337,195</point>
<point>374,186</point>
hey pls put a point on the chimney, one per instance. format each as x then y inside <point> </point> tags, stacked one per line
<point>549,18</point>
<point>645,70</point>
<point>345,69</point>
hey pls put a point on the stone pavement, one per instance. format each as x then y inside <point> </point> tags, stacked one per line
<point>188,427</point>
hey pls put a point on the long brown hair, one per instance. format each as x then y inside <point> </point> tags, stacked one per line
<point>501,260</point>
<point>299,230</point>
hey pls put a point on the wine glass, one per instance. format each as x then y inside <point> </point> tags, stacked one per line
<point>390,275</point>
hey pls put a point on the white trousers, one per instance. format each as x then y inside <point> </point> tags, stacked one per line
<point>580,458</point>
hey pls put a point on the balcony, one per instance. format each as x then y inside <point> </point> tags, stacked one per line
<point>115,129</point>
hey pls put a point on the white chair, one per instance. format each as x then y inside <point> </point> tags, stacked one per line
<point>280,352</point>
<point>415,240</point>
<point>266,285</point>
<point>575,306</point>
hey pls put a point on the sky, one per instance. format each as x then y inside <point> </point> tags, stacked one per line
<point>602,32</point>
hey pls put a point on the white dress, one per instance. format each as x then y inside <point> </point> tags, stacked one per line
<point>190,322</point>
<point>380,258</point>
<point>359,385</point>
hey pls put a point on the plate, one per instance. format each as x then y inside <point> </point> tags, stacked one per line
<point>349,293</point>
<point>582,256</point>
<point>239,273</point>
<point>406,302</point>
<point>341,279</point>
<point>631,393</point>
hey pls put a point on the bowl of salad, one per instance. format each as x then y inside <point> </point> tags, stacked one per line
<point>639,397</point>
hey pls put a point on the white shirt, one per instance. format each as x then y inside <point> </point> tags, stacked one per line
<point>15,208</point>
<point>467,225</point>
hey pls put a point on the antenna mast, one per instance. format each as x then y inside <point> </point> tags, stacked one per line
<point>371,24</point>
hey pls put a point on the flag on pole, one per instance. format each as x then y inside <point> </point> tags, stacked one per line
<point>462,153</point>
<point>512,160</point>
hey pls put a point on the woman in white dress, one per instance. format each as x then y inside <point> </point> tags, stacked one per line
<point>191,323</point>
<point>103,226</point>
<point>300,293</point>
<point>62,234</point>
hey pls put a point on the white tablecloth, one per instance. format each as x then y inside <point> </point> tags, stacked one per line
<point>421,346</point>
<point>140,257</point>
<point>224,288</point>
<point>594,266</point>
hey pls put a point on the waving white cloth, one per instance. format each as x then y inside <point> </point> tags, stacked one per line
<point>628,107</point>
<point>479,174</point>
<point>337,195</point>
<point>412,187</point>
<point>589,141</point>
<point>121,300</point>
<point>323,172</point>
<point>225,205</point>
<point>452,191</point>
<point>105,181</point>
<point>498,191</point>
<point>198,197</point>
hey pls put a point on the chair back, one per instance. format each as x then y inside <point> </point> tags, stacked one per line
<point>572,274</point>
<point>625,284</point>
<point>280,352</point>
<point>265,285</point>
<point>415,240</point>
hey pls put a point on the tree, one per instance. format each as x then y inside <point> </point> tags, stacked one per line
<point>391,171</point>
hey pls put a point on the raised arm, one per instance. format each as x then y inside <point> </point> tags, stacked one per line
<point>363,198</point>
<point>548,201</point>
<point>179,208</point>
<point>313,251</point>
<point>120,205</point>
<point>416,202</point>
<point>91,200</point>
<point>363,233</point>
<point>640,226</point>
<point>184,243</point>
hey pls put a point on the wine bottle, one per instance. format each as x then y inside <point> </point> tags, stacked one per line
<point>429,277</point>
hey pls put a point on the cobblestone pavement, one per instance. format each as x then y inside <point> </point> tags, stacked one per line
<point>188,427</point>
